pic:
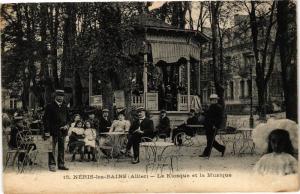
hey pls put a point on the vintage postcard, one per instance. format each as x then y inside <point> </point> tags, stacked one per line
<point>138,97</point>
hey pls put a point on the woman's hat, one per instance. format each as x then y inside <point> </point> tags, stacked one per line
<point>262,131</point>
<point>121,111</point>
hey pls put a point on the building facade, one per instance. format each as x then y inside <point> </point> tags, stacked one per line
<point>240,73</point>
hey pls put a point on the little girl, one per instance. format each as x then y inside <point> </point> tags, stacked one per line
<point>90,141</point>
<point>76,140</point>
<point>277,139</point>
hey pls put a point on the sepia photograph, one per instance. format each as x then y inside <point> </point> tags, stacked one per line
<point>147,97</point>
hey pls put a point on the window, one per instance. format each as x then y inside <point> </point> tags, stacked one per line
<point>242,89</point>
<point>231,90</point>
<point>13,103</point>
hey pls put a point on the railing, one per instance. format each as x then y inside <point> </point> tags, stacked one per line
<point>137,101</point>
<point>182,102</point>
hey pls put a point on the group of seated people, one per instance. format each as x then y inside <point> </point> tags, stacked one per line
<point>85,134</point>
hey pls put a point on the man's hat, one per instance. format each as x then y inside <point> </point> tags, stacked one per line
<point>139,109</point>
<point>91,111</point>
<point>214,96</point>
<point>18,118</point>
<point>59,92</point>
<point>163,111</point>
<point>105,110</point>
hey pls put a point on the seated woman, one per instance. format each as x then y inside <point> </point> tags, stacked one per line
<point>90,141</point>
<point>120,125</point>
<point>76,140</point>
<point>277,139</point>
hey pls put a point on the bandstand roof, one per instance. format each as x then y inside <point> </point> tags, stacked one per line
<point>164,41</point>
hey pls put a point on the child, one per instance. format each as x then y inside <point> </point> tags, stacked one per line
<point>76,140</point>
<point>276,138</point>
<point>90,140</point>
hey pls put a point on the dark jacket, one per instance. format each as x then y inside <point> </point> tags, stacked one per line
<point>146,126</point>
<point>103,125</point>
<point>54,118</point>
<point>94,123</point>
<point>213,117</point>
<point>13,136</point>
<point>164,124</point>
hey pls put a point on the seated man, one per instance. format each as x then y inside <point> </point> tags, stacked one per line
<point>142,127</point>
<point>15,141</point>
<point>192,120</point>
<point>163,128</point>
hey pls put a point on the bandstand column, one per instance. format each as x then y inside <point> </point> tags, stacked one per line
<point>188,85</point>
<point>145,81</point>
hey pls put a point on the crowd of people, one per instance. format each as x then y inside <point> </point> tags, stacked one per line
<point>82,134</point>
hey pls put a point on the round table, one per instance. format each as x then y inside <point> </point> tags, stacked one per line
<point>244,136</point>
<point>155,154</point>
<point>112,143</point>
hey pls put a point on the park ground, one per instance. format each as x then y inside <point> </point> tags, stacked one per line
<point>233,172</point>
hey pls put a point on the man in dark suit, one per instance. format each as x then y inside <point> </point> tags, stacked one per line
<point>142,127</point>
<point>104,122</point>
<point>92,118</point>
<point>163,127</point>
<point>213,122</point>
<point>56,118</point>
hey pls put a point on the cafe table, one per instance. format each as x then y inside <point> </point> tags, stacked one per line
<point>114,142</point>
<point>244,137</point>
<point>155,154</point>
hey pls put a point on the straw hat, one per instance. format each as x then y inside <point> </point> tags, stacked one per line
<point>262,131</point>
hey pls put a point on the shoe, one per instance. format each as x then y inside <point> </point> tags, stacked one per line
<point>135,161</point>
<point>52,169</point>
<point>203,155</point>
<point>94,160</point>
<point>223,152</point>
<point>123,151</point>
<point>128,154</point>
<point>63,168</point>
<point>73,159</point>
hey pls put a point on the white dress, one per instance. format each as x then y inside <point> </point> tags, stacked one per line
<point>90,137</point>
<point>276,164</point>
<point>120,126</point>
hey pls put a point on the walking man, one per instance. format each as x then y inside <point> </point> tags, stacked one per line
<point>56,118</point>
<point>213,122</point>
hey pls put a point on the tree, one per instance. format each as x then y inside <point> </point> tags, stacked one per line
<point>261,30</point>
<point>286,20</point>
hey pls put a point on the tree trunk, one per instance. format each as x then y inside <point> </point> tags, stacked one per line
<point>77,91</point>
<point>287,49</point>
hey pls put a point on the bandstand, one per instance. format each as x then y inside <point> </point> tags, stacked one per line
<point>170,75</point>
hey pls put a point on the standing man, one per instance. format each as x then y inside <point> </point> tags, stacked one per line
<point>56,118</point>
<point>142,127</point>
<point>213,122</point>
